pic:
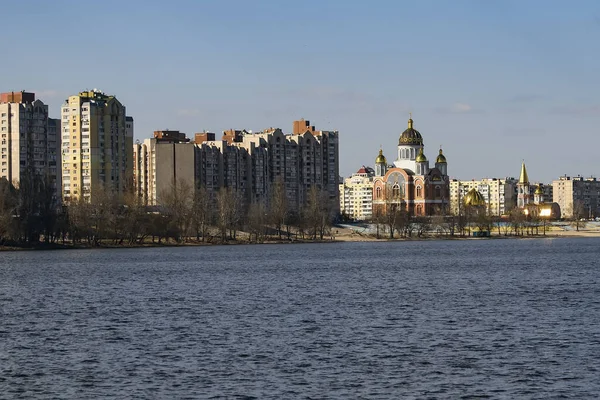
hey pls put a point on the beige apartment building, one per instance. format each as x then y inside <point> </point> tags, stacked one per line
<point>356,195</point>
<point>28,140</point>
<point>249,163</point>
<point>577,196</point>
<point>161,164</point>
<point>97,146</point>
<point>499,194</point>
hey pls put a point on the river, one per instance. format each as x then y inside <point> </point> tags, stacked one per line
<point>514,318</point>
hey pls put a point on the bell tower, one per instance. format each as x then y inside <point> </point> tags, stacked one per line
<point>523,188</point>
<point>380,164</point>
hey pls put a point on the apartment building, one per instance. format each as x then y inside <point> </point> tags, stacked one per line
<point>500,194</point>
<point>97,146</point>
<point>28,140</point>
<point>577,196</point>
<point>356,195</point>
<point>161,165</point>
<point>249,163</point>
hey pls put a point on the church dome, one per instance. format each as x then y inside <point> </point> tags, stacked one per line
<point>474,198</point>
<point>441,158</point>
<point>421,157</point>
<point>539,190</point>
<point>380,158</point>
<point>410,135</point>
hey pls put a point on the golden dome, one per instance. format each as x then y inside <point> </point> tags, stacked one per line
<point>380,158</point>
<point>421,157</point>
<point>441,159</point>
<point>474,199</point>
<point>539,190</point>
<point>410,135</point>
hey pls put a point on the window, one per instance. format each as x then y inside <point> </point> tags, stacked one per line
<point>396,191</point>
<point>419,191</point>
<point>378,193</point>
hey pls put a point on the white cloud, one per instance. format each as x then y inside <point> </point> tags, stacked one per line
<point>461,108</point>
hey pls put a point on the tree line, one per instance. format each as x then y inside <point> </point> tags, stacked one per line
<point>392,220</point>
<point>29,215</point>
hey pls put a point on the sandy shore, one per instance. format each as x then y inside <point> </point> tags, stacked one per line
<point>349,235</point>
<point>339,235</point>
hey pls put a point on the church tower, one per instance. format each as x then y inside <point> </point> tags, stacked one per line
<point>538,196</point>
<point>421,163</point>
<point>408,147</point>
<point>441,164</point>
<point>523,188</point>
<point>380,164</point>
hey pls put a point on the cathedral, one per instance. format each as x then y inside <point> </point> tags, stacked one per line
<point>410,183</point>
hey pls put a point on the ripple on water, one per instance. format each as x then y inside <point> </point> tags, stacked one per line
<point>473,319</point>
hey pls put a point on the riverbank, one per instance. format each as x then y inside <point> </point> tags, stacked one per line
<point>354,235</point>
<point>339,235</point>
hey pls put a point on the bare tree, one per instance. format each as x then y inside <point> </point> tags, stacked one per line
<point>578,214</point>
<point>392,212</point>
<point>256,221</point>
<point>421,225</point>
<point>517,220</point>
<point>202,214</point>
<point>177,203</point>
<point>278,206</point>
<point>229,212</point>
<point>8,210</point>
<point>317,212</point>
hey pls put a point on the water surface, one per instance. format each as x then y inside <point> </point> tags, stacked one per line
<point>430,319</point>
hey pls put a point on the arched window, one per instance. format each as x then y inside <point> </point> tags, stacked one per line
<point>419,191</point>
<point>378,193</point>
<point>438,192</point>
<point>412,154</point>
<point>402,153</point>
<point>396,191</point>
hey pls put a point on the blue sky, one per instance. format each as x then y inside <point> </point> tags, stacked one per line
<point>493,82</point>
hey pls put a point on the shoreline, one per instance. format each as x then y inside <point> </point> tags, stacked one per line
<point>345,237</point>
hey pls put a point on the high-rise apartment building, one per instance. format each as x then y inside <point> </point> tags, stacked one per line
<point>28,140</point>
<point>499,194</point>
<point>249,163</point>
<point>161,163</point>
<point>304,159</point>
<point>97,146</point>
<point>356,195</point>
<point>577,196</point>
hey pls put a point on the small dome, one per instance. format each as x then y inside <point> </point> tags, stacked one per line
<point>421,157</point>
<point>441,158</point>
<point>380,158</point>
<point>539,190</point>
<point>410,135</point>
<point>474,198</point>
